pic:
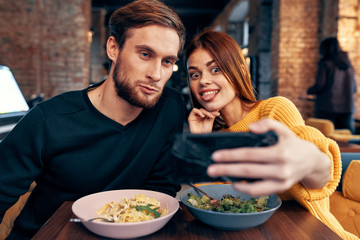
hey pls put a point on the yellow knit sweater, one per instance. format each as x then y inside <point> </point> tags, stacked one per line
<point>315,200</point>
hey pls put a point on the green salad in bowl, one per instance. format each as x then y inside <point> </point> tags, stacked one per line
<point>234,211</point>
<point>230,204</point>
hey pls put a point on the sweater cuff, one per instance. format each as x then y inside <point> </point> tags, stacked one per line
<point>331,149</point>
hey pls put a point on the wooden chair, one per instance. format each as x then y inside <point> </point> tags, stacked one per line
<point>12,213</point>
<point>328,129</point>
<point>345,201</point>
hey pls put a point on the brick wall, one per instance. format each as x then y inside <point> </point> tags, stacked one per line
<point>298,28</point>
<point>349,37</point>
<point>297,40</point>
<point>45,44</point>
<point>98,51</point>
<point>329,18</point>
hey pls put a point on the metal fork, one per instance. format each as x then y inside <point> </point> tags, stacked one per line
<point>92,219</point>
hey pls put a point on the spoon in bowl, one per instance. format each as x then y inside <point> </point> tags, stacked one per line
<point>213,201</point>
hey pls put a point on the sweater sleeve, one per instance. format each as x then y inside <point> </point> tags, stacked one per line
<point>20,154</point>
<point>331,149</point>
<point>283,110</point>
<point>315,200</point>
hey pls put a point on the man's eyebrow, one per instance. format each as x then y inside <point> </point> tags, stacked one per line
<point>149,49</point>
<point>145,47</point>
<point>173,58</point>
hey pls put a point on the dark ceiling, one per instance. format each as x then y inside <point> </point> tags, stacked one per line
<point>196,14</point>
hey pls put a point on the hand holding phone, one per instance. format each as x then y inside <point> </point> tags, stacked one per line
<point>193,152</point>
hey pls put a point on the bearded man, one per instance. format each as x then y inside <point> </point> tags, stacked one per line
<point>113,135</point>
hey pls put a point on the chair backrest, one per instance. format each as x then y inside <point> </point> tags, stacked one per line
<point>323,125</point>
<point>346,158</point>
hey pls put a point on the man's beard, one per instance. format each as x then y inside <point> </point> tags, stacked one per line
<point>126,91</point>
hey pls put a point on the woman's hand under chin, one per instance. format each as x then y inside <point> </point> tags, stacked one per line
<point>201,121</point>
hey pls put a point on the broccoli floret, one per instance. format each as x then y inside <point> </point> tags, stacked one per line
<point>248,207</point>
<point>262,201</point>
<point>192,196</point>
<point>227,203</point>
<point>193,202</point>
<point>219,209</point>
<point>205,199</point>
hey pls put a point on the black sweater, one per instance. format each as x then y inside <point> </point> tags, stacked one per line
<point>71,150</point>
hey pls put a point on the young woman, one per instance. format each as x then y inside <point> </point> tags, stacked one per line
<point>303,164</point>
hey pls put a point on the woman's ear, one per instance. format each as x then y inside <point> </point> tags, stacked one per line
<point>112,49</point>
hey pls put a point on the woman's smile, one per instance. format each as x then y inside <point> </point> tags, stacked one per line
<point>208,95</point>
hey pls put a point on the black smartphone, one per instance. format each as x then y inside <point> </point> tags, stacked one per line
<point>193,152</point>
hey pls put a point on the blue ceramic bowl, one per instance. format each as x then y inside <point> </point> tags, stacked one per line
<point>229,221</point>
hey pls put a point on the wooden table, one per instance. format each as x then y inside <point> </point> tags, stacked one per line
<point>290,221</point>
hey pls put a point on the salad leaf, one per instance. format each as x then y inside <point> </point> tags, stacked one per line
<point>148,209</point>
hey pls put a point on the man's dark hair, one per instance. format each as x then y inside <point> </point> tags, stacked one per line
<point>142,13</point>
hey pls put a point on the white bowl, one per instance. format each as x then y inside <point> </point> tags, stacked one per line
<point>229,221</point>
<point>86,207</point>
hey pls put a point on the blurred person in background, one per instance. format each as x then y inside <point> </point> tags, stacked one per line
<point>335,86</point>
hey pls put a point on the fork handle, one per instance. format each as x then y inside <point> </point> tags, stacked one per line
<point>192,185</point>
<point>75,220</point>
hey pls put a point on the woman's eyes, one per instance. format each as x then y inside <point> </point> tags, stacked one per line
<point>215,70</point>
<point>194,75</point>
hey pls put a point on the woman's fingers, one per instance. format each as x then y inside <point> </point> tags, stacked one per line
<point>251,170</point>
<point>278,166</point>
<point>278,152</point>
<point>260,188</point>
<point>201,121</point>
<point>202,113</point>
<point>211,115</point>
<point>245,154</point>
<point>267,124</point>
<point>197,112</point>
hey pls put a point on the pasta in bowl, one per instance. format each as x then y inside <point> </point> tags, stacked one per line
<point>138,208</point>
<point>135,212</point>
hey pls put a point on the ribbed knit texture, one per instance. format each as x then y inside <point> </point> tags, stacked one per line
<point>315,200</point>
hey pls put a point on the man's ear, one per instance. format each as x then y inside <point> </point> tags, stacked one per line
<point>112,49</point>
